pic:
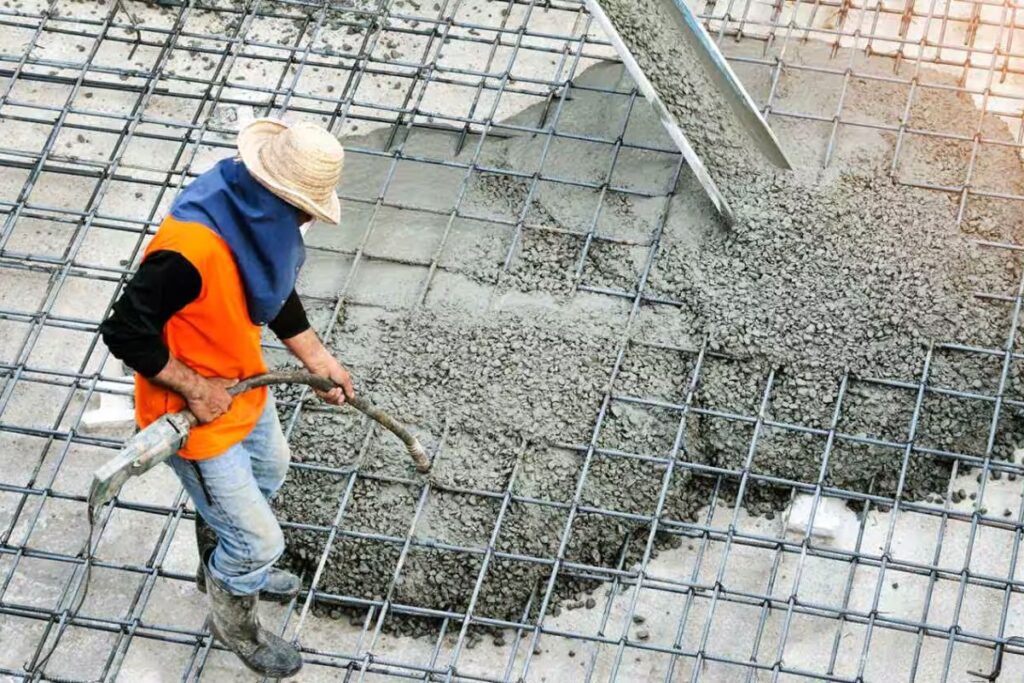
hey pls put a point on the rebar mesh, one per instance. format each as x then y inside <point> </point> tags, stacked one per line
<point>108,109</point>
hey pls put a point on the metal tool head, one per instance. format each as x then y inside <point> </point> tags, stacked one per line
<point>149,447</point>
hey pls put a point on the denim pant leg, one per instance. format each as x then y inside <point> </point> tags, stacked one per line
<point>224,491</point>
<point>268,450</point>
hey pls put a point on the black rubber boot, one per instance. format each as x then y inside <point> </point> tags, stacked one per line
<point>234,622</point>
<point>281,586</point>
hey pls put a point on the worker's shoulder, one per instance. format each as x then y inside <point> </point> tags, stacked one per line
<point>195,241</point>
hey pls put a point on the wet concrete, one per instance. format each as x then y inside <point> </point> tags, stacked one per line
<point>824,271</point>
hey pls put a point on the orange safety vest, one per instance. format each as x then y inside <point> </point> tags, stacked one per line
<point>213,335</point>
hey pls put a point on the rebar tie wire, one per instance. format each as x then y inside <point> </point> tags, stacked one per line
<point>1000,650</point>
<point>132,19</point>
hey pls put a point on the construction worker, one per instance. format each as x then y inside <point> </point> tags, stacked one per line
<point>222,264</point>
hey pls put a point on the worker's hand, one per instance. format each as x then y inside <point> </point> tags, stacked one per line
<point>208,398</point>
<point>327,366</point>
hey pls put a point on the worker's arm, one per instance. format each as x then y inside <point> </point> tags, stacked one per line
<point>165,283</point>
<point>291,319</point>
<point>307,347</point>
<point>207,397</point>
<point>293,329</point>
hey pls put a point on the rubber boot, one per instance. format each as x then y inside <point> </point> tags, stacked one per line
<point>281,586</point>
<point>235,623</point>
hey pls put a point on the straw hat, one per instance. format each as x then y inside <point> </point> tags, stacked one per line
<point>300,164</point>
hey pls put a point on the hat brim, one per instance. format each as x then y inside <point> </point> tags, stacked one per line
<point>250,140</point>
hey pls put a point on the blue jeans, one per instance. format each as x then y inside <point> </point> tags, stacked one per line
<point>232,492</point>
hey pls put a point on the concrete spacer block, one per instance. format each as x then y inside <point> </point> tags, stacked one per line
<point>828,516</point>
<point>116,409</point>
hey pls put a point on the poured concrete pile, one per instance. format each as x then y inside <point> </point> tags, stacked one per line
<point>823,271</point>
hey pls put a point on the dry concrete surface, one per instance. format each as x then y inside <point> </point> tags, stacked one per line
<point>503,372</point>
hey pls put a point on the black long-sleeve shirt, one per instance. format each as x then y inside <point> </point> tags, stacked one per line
<point>165,283</point>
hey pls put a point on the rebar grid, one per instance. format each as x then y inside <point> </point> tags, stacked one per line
<point>34,81</point>
<point>981,43</point>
